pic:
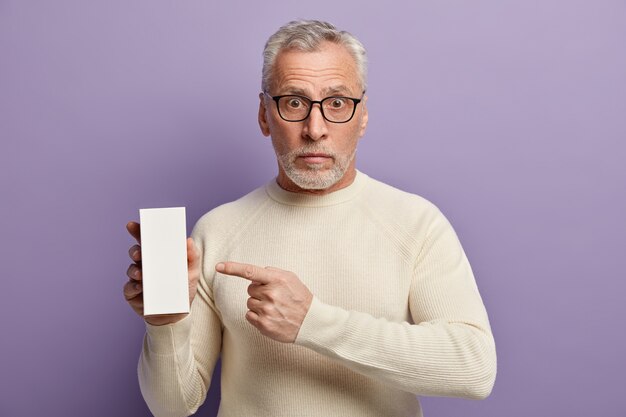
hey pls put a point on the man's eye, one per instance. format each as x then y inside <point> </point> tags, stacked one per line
<point>337,103</point>
<point>294,103</point>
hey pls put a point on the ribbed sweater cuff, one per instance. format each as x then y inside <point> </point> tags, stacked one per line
<point>165,339</point>
<point>320,325</point>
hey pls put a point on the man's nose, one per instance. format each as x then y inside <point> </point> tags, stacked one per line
<point>315,126</point>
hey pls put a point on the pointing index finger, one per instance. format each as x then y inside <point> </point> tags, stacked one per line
<point>250,272</point>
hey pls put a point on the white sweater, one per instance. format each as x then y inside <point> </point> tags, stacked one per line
<point>396,311</point>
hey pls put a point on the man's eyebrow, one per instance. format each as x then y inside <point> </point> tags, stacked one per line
<point>335,90</point>
<point>295,91</point>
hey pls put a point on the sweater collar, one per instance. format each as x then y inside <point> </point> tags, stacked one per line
<point>282,196</point>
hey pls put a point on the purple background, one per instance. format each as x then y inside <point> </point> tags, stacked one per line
<point>510,116</point>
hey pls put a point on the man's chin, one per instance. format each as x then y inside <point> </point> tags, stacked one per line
<point>314,178</point>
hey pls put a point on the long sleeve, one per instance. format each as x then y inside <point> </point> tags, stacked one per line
<point>177,360</point>
<point>447,349</point>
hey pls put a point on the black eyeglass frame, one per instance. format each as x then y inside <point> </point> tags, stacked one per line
<point>356,101</point>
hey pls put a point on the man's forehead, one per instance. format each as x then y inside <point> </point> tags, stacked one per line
<point>338,89</point>
<point>329,70</point>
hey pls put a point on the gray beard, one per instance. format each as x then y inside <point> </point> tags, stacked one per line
<point>314,177</point>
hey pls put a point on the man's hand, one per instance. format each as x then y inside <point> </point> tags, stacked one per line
<point>278,299</point>
<point>133,291</point>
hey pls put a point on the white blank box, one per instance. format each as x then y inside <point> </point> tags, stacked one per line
<point>164,260</point>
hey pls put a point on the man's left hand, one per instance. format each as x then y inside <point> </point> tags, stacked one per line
<point>278,299</point>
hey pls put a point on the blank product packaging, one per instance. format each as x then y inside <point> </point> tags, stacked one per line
<point>164,260</point>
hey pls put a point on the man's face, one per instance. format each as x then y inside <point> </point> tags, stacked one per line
<point>314,155</point>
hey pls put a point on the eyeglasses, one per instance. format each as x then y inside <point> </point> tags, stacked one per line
<point>335,109</point>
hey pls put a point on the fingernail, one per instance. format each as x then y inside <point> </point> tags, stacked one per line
<point>135,272</point>
<point>220,267</point>
<point>135,253</point>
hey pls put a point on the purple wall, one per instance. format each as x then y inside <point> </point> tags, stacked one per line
<point>510,116</point>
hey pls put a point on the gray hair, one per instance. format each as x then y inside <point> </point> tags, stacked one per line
<point>307,35</point>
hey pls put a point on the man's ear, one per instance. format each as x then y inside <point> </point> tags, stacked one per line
<point>263,123</point>
<point>364,117</point>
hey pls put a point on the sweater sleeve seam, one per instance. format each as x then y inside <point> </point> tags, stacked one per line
<point>242,225</point>
<point>425,242</point>
<point>177,365</point>
<point>406,254</point>
<point>239,229</point>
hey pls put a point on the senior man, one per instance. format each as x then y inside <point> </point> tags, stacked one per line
<point>325,292</point>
